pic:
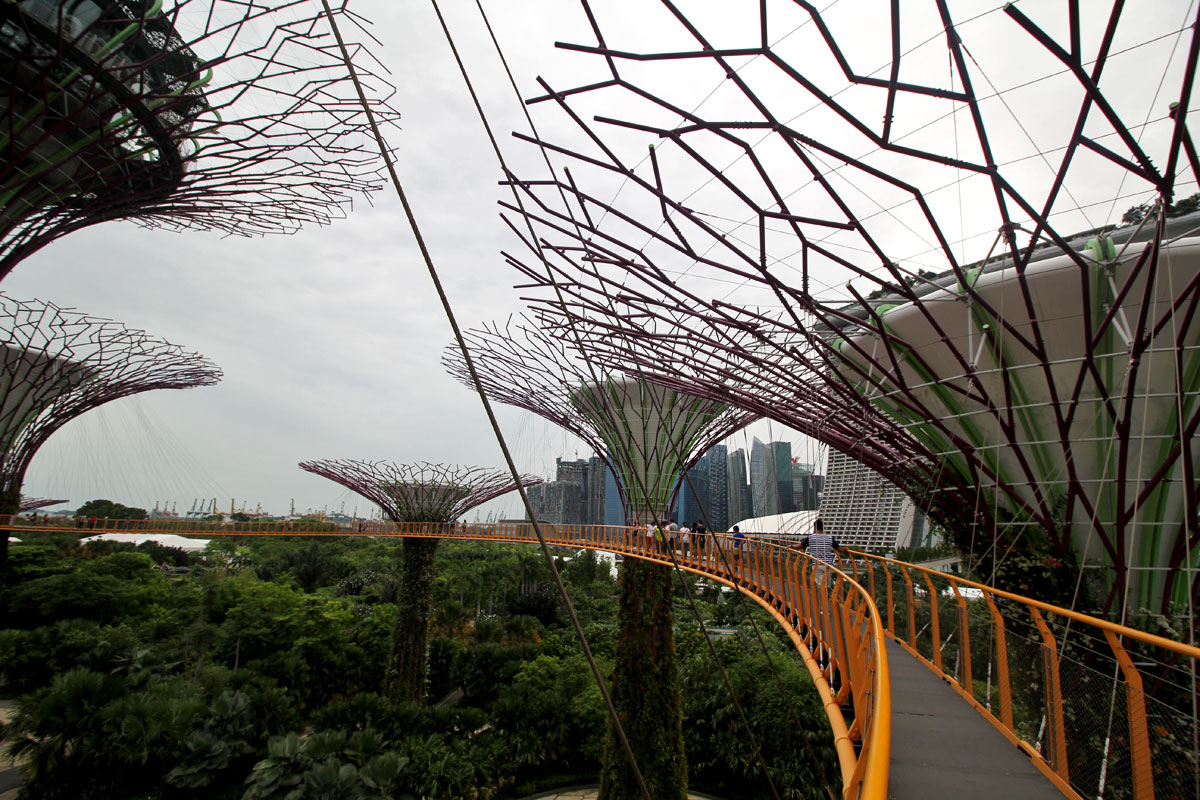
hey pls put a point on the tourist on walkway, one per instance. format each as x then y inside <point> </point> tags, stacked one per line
<point>823,546</point>
<point>685,538</point>
<point>739,539</point>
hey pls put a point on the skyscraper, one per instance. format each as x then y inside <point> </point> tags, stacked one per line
<point>806,486</point>
<point>557,502</point>
<point>737,488</point>
<point>771,477</point>
<point>613,510</point>
<point>718,496</point>
<point>692,497</point>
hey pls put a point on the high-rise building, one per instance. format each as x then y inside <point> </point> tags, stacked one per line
<point>862,509</point>
<point>584,492</point>
<point>614,511</point>
<point>595,491</point>
<point>737,488</point>
<point>577,473</point>
<point>806,486</point>
<point>557,502</point>
<point>771,477</point>
<point>718,496</point>
<point>692,494</point>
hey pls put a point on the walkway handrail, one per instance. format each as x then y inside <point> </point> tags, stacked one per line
<point>830,618</point>
<point>1071,671</point>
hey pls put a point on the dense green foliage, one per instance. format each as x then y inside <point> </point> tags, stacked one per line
<point>107,509</point>
<point>259,672</point>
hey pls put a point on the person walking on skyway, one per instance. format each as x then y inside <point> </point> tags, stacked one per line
<point>823,547</point>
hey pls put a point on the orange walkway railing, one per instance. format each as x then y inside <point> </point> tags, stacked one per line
<point>1102,709</point>
<point>830,617</point>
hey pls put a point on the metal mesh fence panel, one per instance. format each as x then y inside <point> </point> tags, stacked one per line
<point>1172,750</point>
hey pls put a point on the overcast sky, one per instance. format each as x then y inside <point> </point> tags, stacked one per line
<point>330,339</point>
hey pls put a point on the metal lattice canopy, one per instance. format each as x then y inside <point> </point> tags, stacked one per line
<point>888,211</point>
<point>36,503</point>
<point>56,364</point>
<point>648,434</point>
<point>222,115</point>
<point>420,492</point>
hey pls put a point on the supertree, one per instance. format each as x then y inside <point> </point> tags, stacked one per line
<point>898,243</point>
<point>57,364</point>
<point>649,436</point>
<point>423,492</point>
<point>219,115</point>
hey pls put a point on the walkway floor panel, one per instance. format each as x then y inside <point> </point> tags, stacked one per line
<point>943,748</point>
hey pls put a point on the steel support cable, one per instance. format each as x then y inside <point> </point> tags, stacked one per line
<point>442,297</point>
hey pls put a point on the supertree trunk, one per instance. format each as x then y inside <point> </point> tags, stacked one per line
<point>415,493</point>
<point>646,690</point>
<point>405,682</point>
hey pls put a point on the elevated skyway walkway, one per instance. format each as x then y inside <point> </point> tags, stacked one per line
<point>933,686</point>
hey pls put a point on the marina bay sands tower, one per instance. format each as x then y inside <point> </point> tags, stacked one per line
<point>431,493</point>
<point>649,436</point>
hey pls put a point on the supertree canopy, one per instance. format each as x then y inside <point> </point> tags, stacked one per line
<point>56,364</point>
<point>649,435</point>
<point>208,114</point>
<point>885,207</point>
<point>407,493</point>
<point>420,492</point>
<point>37,503</point>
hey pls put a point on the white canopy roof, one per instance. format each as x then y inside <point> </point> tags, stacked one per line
<point>165,539</point>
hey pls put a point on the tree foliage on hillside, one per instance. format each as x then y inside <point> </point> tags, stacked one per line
<point>260,674</point>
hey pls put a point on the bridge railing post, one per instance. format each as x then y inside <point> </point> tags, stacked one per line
<point>935,631</point>
<point>964,639</point>
<point>911,630</point>
<point>1139,735</point>
<point>891,602</point>
<point>1055,728</point>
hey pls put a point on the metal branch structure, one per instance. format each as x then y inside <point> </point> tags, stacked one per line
<point>649,436</point>
<point>56,364</point>
<point>886,212</point>
<point>421,493</point>
<point>37,503</point>
<point>222,115</point>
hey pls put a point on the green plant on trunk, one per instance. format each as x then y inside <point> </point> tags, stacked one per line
<point>645,689</point>
<point>405,681</point>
